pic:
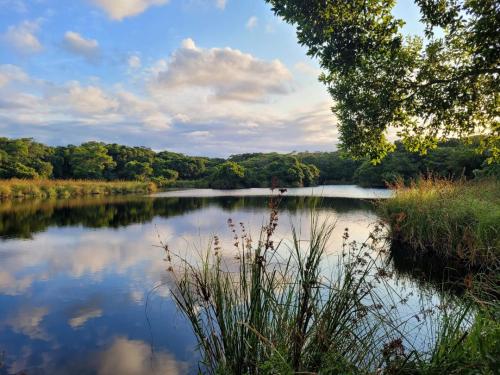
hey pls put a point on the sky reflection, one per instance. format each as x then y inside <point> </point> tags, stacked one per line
<point>83,285</point>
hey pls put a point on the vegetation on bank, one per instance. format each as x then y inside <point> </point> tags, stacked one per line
<point>27,159</point>
<point>273,310</point>
<point>457,220</point>
<point>19,189</point>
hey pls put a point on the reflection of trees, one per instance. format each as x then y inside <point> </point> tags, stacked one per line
<point>428,270</point>
<point>22,219</point>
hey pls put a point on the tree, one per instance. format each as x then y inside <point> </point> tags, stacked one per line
<point>428,90</point>
<point>24,158</point>
<point>228,175</point>
<point>139,171</point>
<point>90,161</point>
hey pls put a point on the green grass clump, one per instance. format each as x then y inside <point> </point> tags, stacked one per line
<point>452,219</point>
<point>275,311</point>
<point>21,189</point>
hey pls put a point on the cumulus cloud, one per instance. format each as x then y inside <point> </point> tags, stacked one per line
<point>218,101</point>
<point>78,45</point>
<point>86,100</point>
<point>141,110</point>
<point>11,73</point>
<point>118,10</point>
<point>23,37</point>
<point>224,73</point>
<point>252,23</point>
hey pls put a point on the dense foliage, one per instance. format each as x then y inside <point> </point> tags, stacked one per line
<point>27,159</point>
<point>427,89</point>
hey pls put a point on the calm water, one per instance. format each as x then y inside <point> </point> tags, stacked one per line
<point>82,282</point>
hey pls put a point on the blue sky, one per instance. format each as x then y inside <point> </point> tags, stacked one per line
<point>209,77</point>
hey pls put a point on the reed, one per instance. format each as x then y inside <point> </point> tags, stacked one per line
<point>22,189</point>
<point>457,220</point>
<point>275,309</point>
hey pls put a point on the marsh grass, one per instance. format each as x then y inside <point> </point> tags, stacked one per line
<point>281,310</point>
<point>452,219</point>
<point>21,189</point>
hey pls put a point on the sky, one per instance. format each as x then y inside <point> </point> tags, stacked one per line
<point>202,77</point>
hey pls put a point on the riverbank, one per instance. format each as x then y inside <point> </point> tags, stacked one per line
<point>455,220</point>
<point>22,189</point>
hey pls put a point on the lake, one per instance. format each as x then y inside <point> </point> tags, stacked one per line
<point>84,286</point>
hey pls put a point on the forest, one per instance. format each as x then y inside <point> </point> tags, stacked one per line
<point>27,159</point>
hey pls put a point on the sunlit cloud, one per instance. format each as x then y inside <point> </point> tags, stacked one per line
<point>218,101</point>
<point>224,73</point>
<point>118,10</point>
<point>23,38</point>
<point>11,73</point>
<point>78,45</point>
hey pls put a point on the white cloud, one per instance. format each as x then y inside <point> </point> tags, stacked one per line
<point>10,73</point>
<point>78,45</point>
<point>252,23</point>
<point>142,111</point>
<point>134,62</point>
<point>188,44</point>
<point>221,4</point>
<point>222,74</point>
<point>218,100</point>
<point>88,100</point>
<point>120,9</point>
<point>23,37</point>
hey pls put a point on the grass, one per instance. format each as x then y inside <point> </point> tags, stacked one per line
<point>455,220</point>
<point>273,310</point>
<point>21,189</point>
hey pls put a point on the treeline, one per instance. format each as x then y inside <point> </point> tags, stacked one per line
<point>25,158</point>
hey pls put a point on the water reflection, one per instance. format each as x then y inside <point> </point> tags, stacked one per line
<point>79,278</point>
<point>23,219</point>
<point>327,191</point>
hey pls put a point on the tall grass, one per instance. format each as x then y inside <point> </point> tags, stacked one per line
<point>277,309</point>
<point>452,219</point>
<point>20,189</point>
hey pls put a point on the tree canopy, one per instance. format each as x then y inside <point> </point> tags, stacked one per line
<point>25,158</point>
<point>424,89</point>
